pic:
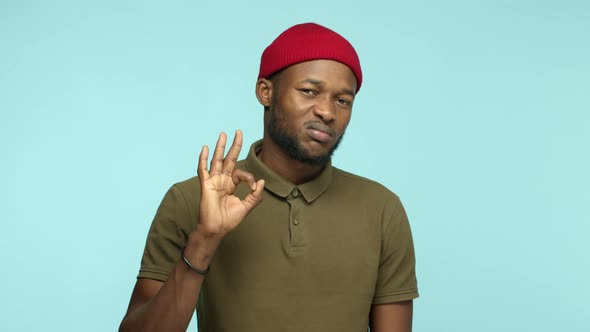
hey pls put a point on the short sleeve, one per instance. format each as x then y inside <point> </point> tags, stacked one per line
<point>168,234</point>
<point>396,280</point>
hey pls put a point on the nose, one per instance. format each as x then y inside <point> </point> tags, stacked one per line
<point>324,109</point>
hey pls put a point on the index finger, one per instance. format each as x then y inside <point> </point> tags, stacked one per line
<point>231,158</point>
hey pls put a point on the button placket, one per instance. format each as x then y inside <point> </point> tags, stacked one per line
<point>295,219</point>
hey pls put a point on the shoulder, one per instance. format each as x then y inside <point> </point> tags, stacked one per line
<point>343,180</point>
<point>366,192</point>
<point>189,188</point>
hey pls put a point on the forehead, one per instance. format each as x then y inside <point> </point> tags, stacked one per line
<point>329,72</point>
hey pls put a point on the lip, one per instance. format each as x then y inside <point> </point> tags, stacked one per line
<point>320,132</point>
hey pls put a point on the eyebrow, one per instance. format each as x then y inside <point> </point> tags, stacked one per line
<point>348,92</point>
<point>312,81</point>
<point>319,83</point>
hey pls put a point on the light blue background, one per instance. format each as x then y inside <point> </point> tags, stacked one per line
<point>477,113</point>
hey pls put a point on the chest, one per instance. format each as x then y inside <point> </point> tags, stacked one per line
<point>287,245</point>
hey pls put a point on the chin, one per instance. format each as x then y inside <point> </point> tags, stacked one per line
<point>314,158</point>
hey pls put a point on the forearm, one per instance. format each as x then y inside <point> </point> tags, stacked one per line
<point>172,307</point>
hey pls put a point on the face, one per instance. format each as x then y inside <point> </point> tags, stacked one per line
<point>309,108</point>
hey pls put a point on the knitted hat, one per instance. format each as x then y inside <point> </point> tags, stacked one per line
<point>305,42</point>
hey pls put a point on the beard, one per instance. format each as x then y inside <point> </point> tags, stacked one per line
<point>289,143</point>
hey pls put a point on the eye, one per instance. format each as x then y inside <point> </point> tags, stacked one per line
<point>343,102</point>
<point>308,92</point>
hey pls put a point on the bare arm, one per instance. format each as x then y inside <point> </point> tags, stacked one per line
<point>168,306</point>
<point>391,317</point>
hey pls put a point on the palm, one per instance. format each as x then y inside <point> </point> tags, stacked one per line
<point>220,210</point>
<point>219,207</point>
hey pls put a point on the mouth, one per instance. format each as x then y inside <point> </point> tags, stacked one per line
<point>320,132</point>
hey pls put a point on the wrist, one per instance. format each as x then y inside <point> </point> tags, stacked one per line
<point>200,248</point>
<point>191,267</point>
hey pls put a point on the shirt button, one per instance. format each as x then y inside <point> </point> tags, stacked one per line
<point>296,193</point>
<point>295,222</point>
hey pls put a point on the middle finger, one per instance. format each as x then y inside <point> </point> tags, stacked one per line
<point>217,159</point>
<point>232,155</point>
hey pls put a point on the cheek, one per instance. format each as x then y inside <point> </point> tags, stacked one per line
<point>344,120</point>
<point>296,110</point>
<point>299,107</point>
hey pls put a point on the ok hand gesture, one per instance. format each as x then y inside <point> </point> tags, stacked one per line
<point>220,210</point>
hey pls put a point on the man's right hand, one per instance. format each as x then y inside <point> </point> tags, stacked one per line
<point>220,210</point>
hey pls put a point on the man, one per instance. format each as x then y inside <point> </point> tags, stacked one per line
<point>282,241</point>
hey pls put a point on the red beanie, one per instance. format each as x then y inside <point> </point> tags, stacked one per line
<point>305,42</point>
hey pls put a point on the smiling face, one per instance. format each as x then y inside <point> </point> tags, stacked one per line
<point>309,107</point>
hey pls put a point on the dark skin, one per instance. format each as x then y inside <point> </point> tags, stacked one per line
<point>312,101</point>
<point>314,96</point>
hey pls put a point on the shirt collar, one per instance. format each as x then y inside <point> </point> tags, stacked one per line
<point>281,187</point>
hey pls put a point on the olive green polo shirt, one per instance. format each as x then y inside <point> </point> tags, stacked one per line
<point>312,257</point>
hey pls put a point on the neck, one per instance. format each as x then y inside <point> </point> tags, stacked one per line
<point>280,162</point>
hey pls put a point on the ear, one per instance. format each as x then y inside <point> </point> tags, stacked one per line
<point>264,91</point>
